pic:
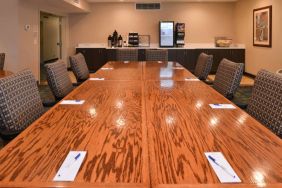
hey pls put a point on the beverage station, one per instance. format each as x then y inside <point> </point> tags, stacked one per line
<point>171,37</point>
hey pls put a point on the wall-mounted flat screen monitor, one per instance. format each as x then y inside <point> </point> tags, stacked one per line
<point>166,33</point>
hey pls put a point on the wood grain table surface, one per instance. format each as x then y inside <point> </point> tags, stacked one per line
<point>4,73</point>
<point>143,129</point>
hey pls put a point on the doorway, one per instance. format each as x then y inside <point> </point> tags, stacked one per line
<point>50,41</point>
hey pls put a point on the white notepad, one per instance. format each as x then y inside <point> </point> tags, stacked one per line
<point>106,68</point>
<point>192,79</point>
<point>74,102</point>
<point>160,62</point>
<point>96,78</point>
<point>70,166</point>
<point>126,61</point>
<point>222,106</point>
<point>222,168</point>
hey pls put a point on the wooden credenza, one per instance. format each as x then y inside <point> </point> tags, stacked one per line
<point>97,57</point>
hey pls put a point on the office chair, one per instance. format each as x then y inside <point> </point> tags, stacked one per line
<point>58,79</point>
<point>79,67</point>
<point>265,104</point>
<point>157,55</point>
<point>127,55</point>
<point>203,66</point>
<point>228,78</point>
<point>20,103</point>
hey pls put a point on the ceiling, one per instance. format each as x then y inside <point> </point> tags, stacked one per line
<point>153,1</point>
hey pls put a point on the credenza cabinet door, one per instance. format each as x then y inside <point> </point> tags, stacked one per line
<point>111,55</point>
<point>94,57</point>
<point>97,57</point>
<point>185,57</point>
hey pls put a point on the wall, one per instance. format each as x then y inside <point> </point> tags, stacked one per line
<point>9,38</point>
<point>29,48</point>
<point>22,46</point>
<point>203,21</point>
<point>259,57</point>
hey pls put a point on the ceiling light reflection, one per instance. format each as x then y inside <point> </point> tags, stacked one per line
<point>170,120</point>
<point>259,178</point>
<point>93,112</point>
<point>120,122</point>
<point>119,104</point>
<point>199,104</point>
<point>242,119</point>
<point>214,121</point>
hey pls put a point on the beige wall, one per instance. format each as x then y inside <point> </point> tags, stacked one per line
<point>9,37</point>
<point>259,57</point>
<point>29,48</point>
<point>203,21</point>
<point>22,46</point>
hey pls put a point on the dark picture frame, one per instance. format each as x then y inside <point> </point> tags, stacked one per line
<point>262,27</point>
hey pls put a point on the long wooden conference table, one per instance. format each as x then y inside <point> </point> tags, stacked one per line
<point>144,125</point>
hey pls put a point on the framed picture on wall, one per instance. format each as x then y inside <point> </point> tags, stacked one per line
<point>262,26</point>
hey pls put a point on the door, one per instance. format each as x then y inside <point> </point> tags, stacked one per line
<point>50,41</point>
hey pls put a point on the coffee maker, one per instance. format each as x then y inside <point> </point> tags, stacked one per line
<point>179,34</point>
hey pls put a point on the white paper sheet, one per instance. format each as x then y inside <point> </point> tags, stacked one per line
<point>192,79</point>
<point>222,106</point>
<point>222,168</point>
<point>70,166</point>
<point>96,78</point>
<point>160,62</point>
<point>74,102</point>
<point>126,61</point>
<point>106,68</point>
<point>178,68</point>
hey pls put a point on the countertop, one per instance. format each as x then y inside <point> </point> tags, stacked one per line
<point>156,46</point>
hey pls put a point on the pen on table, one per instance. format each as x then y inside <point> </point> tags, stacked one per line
<point>222,167</point>
<point>77,100</point>
<point>75,159</point>
<point>217,104</point>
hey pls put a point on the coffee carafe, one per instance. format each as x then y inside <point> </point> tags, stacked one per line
<point>115,39</point>
<point>110,41</point>
<point>120,41</point>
